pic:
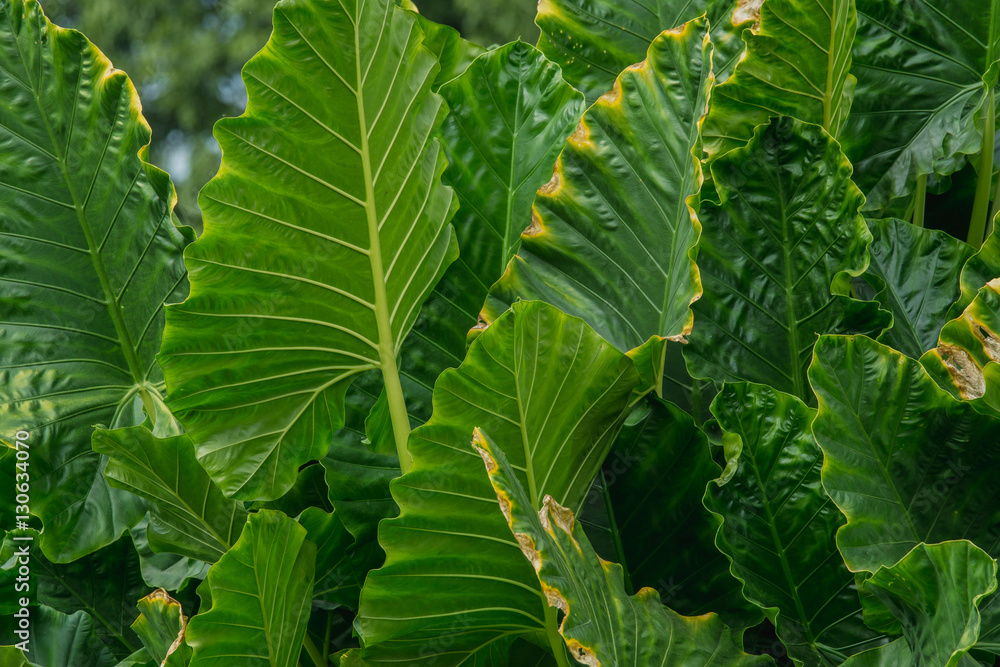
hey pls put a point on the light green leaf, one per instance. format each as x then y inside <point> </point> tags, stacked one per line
<point>90,255</point>
<point>453,53</point>
<point>602,625</point>
<point>920,66</point>
<point>189,515</point>
<point>314,274</point>
<point>776,257</point>
<point>58,640</point>
<point>913,274</point>
<point>260,592</point>
<point>903,460</point>
<point>164,570</point>
<point>594,40</point>
<point>796,64</point>
<point>613,231</point>
<point>779,525</point>
<point>535,376</point>
<point>655,479</point>
<point>934,591</point>
<point>161,627</point>
<point>978,270</point>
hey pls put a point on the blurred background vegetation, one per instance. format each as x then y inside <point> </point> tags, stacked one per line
<point>185,56</point>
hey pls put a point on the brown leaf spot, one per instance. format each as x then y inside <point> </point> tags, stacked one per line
<point>553,183</point>
<point>479,443</point>
<point>964,371</point>
<point>613,95</point>
<point>748,10</point>
<point>553,511</point>
<point>580,135</point>
<point>582,653</point>
<point>535,228</point>
<point>528,549</point>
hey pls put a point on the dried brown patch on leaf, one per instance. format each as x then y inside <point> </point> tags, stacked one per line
<point>613,95</point>
<point>554,183</point>
<point>964,371</point>
<point>581,135</point>
<point>748,10</point>
<point>582,654</point>
<point>535,228</point>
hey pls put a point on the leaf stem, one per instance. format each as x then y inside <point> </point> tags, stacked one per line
<point>616,537</point>
<point>313,652</point>
<point>980,206</point>
<point>555,639</point>
<point>920,201</point>
<point>995,208</point>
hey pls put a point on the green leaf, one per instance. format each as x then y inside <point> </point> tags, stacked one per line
<point>453,53</point>
<point>161,627</point>
<point>341,561</point>
<point>189,515</point>
<point>602,623</point>
<point>613,231</point>
<point>90,255</point>
<point>164,570</point>
<point>934,592</point>
<point>920,66</point>
<point>914,274</point>
<point>594,40</point>
<point>535,376</point>
<point>978,270</point>
<point>511,112</point>
<point>903,460</point>
<point>796,64</point>
<point>776,257</point>
<point>655,478</point>
<point>779,525</point>
<point>260,592</point>
<point>104,584</point>
<point>58,640</point>
<point>315,274</point>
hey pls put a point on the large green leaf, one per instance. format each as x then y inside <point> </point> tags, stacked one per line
<point>90,254</point>
<point>315,273</point>
<point>58,640</point>
<point>602,625</point>
<point>613,231</point>
<point>164,569</point>
<point>978,270</point>
<point>776,259</point>
<point>920,66</point>
<point>535,376</point>
<point>453,53</point>
<point>796,65</point>
<point>260,592</point>
<point>161,627</point>
<point>342,561</point>
<point>934,591</point>
<point>914,274</point>
<point>903,460</point>
<point>189,515</point>
<point>105,584</point>
<point>510,113</point>
<point>779,525</point>
<point>655,480</point>
<point>594,40</point>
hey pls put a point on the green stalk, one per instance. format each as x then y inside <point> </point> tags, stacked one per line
<point>555,639</point>
<point>980,207</point>
<point>920,201</point>
<point>995,208</point>
<point>616,537</point>
<point>313,652</point>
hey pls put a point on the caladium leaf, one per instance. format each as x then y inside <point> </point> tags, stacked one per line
<point>922,70</point>
<point>913,274</point>
<point>58,640</point>
<point>776,259</point>
<point>602,625</point>
<point>655,479</point>
<point>903,459</point>
<point>105,584</point>
<point>189,515</point>
<point>613,231</point>
<point>300,286</point>
<point>594,40</point>
<point>778,527</point>
<point>510,113</point>
<point>260,592</point>
<point>535,376</point>
<point>90,255</point>
<point>797,65</point>
<point>934,591</point>
<point>161,627</point>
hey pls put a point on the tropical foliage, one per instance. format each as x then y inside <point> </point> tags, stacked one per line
<point>638,346</point>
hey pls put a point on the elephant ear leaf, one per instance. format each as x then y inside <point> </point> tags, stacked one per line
<point>69,641</point>
<point>797,65</point>
<point>306,280</point>
<point>934,592</point>
<point>612,233</point>
<point>260,595</point>
<point>776,258</point>
<point>602,625</point>
<point>161,628</point>
<point>90,255</point>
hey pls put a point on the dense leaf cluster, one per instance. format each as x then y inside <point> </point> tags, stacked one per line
<point>630,348</point>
